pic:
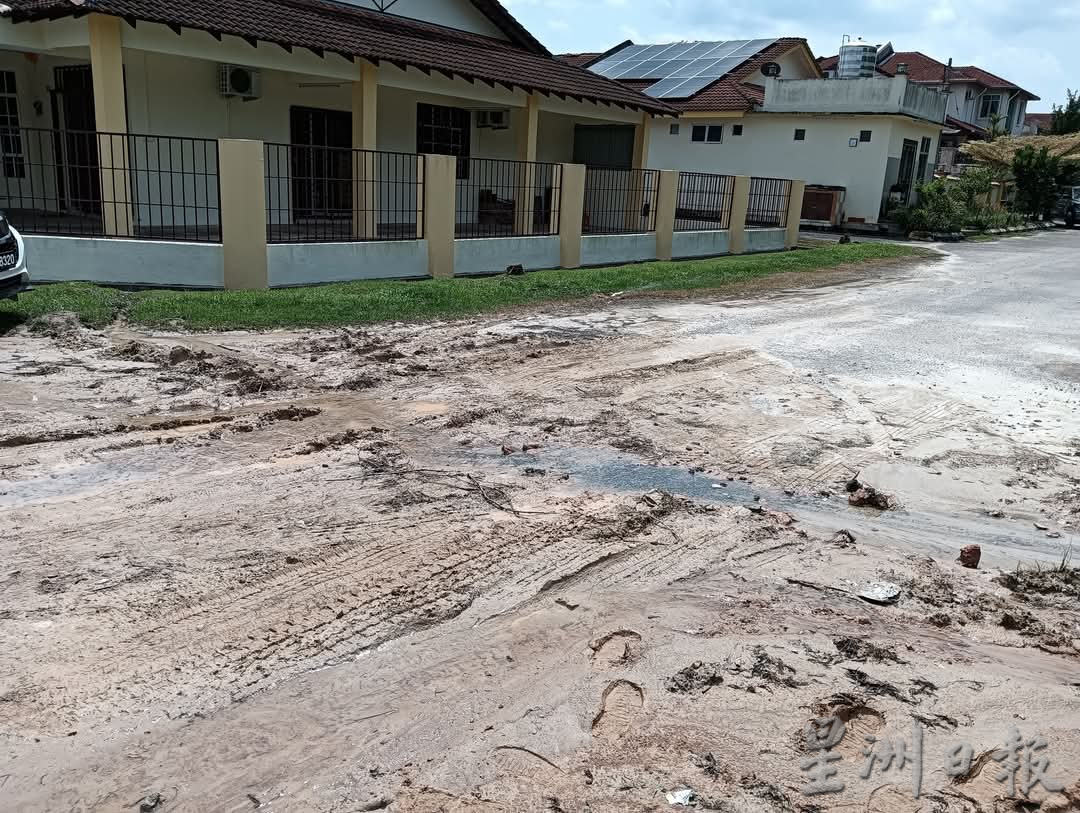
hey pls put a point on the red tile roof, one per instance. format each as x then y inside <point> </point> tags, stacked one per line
<point>966,127</point>
<point>321,25</point>
<point>925,69</point>
<point>580,60</point>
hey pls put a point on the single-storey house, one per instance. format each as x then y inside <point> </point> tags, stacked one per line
<point>291,141</point>
<point>762,108</point>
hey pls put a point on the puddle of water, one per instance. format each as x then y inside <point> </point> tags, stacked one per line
<point>930,531</point>
<point>73,481</point>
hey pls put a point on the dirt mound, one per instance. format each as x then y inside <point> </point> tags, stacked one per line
<point>66,330</point>
<point>1045,582</point>
<point>697,677</point>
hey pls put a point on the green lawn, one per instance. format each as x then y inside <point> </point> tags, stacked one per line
<point>360,302</point>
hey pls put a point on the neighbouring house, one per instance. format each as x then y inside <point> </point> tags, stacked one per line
<point>253,142</point>
<point>979,100</point>
<point>762,108</point>
<point>1038,123</point>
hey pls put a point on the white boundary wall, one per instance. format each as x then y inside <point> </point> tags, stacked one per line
<point>124,262</point>
<point>494,254</point>
<point>314,263</point>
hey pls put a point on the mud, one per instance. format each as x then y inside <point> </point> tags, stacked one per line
<point>569,561</point>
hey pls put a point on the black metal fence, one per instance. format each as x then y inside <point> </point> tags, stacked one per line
<point>620,201</point>
<point>499,198</point>
<point>338,195</point>
<point>85,183</point>
<point>770,199</point>
<point>704,202</point>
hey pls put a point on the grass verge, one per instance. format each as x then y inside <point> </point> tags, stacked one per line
<point>360,302</point>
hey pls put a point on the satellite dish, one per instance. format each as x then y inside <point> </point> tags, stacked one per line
<point>771,69</point>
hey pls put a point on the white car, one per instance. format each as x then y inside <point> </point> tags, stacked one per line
<point>13,275</point>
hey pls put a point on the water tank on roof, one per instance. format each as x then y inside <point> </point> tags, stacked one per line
<point>858,59</point>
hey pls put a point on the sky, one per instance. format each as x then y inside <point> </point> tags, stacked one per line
<point>1032,44</point>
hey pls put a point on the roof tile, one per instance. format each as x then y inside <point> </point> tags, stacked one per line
<point>328,26</point>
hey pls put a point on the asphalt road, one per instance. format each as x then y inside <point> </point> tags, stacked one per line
<point>991,323</point>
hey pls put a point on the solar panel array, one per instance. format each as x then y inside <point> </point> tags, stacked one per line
<point>681,69</point>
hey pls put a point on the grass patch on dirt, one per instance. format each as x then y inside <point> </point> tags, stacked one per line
<point>360,302</point>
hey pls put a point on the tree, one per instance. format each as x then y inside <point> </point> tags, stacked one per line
<point>1066,119</point>
<point>1037,174</point>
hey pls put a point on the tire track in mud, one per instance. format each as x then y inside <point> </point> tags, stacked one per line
<point>326,609</point>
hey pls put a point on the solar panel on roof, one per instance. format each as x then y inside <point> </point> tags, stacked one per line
<point>680,69</point>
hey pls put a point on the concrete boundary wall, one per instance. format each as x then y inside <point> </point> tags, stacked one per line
<point>759,240</point>
<point>315,263</point>
<point>124,262</point>
<point>686,245</point>
<point>616,249</point>
<point>246,260</point>
<point>490,255</point>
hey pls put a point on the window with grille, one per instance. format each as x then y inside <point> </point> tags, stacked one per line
<point>800,134</point>
<point>736,129</point>
<point>445,131</point>
<point>865,136</point>
<point>11,143</point>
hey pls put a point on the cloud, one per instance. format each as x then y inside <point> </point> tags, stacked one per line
<point>1029,45</point>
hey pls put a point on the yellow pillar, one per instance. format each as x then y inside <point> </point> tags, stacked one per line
<point>667,197</point>
<point>794,215</point>
<point>740,203</point>
<point>365,100</point>
<point>572,213</point>
<point>528,127</point>
<point>641,142</point>
<point>440,212</point>
<point>242,176</point>
<point>110,106</point>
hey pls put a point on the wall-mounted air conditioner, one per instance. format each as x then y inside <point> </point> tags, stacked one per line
<point>493,119</point>
<point>235,81</point>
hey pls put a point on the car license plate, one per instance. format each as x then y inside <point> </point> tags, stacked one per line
<point>8,260</point>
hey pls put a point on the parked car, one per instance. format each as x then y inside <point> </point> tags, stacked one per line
<point>1070,205</point>
<point>14,277</point>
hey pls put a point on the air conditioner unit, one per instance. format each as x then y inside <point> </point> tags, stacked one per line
<point>493,119</point>
<point>237,81</point>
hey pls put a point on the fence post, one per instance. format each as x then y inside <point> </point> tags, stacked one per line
<point>440,212</point>
<point>572,214</point>
<point>242,175</point>
<point>740,203</point>
<point>667,197</point>
<point>794,214</point>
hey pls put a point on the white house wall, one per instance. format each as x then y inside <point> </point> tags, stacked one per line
<point>459,14</point>
<point>767,148</point>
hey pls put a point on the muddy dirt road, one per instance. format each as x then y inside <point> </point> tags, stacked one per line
<point>569,561</point>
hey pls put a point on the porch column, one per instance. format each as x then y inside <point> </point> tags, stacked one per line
<point>641,141</point>
<point>440,212</point>
<point>571,214</point>
<point>242,175</point>
<point>638,194</point>
<point>740,203</point>
<point>794,214</point>
<point>365,91</point>
<point>667,194</point>
<point>528,126</point>
<point>110,107</point>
